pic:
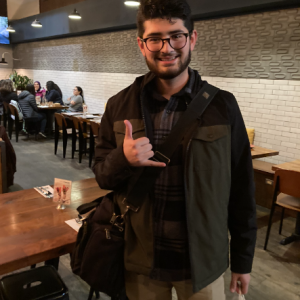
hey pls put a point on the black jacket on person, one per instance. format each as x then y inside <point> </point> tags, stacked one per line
<point>54,96</point>
<point>28,105</point>
<point>9,96</point>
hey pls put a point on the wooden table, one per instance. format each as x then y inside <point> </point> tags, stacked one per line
<point>52,107</point>
<point>259,152</point>
<point>33,230</point>
<point>291,166</point>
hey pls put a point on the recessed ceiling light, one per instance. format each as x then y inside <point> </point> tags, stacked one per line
<point>132,3</point>
<point>36,23</point>
<point>75,15</point>
<point>10,29</point>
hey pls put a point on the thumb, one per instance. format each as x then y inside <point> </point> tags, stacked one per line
<point>233,284</point>
<point>128,132</point>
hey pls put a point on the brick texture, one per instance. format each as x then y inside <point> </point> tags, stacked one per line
<point>264,46</point>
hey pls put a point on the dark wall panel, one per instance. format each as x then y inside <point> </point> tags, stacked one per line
<point>47,5</point>
<point>111,15</point>
<point>3,8</point>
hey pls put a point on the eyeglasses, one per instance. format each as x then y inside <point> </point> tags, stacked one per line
<point>176,41</point>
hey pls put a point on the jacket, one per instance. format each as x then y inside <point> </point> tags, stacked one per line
<point>28,105</point>
<point>219,186</point>
<point>54,97</point>
<point>10,96</point>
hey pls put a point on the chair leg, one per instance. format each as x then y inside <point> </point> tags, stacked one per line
<point>91,293</point>
<point>17,124</point>
<point>97,295</point>
<point>65,141</point>
<point>56,138</point>
<point>281,220</point>
<point>269,226</point>
<point>91,153</point>
<point>10,128</point>
<point>81,141</point>
<point>74,139</point>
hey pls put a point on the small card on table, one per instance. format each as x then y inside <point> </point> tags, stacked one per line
<point>62,191</point>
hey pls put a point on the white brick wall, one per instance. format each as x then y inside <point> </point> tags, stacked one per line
<point>271,107</point>
<point>4,73</point>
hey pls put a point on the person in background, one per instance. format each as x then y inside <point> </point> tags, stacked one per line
<point>53,93</point>
<point>39,91</point>
<point>76,100</point>
<point>30,109</point>
<point>7,91</point>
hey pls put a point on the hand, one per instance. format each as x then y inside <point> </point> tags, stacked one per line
<point>138,152</point>
<point>244,279</point>
<point>72,102</point>
<point>69,98</point>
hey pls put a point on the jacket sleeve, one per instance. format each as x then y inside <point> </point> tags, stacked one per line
<point>111,167</point>
<point>242,206</point>
<point>32,103</point>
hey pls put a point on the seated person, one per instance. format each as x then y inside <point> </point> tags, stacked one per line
<point>30,109</point>
<point>76,100</point>
<point>7,91</point>
<point>39,91</point>
<point>53,93</point>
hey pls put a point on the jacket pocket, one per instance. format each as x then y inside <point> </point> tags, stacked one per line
<point>211,147</point>
<point>138,130</point>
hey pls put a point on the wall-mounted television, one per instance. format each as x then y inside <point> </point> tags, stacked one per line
<point>4,34</point>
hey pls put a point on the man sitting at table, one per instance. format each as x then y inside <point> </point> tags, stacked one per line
<point>30,109</point>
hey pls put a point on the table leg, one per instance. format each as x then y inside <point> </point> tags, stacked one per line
<point>295,236</point>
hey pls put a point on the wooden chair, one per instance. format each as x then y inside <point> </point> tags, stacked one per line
<point>80,131</point>
<point>62,127</point>
<point>286,195</point>
<point>14,112</point>
<point>3,178</point>
<point>94,132</point>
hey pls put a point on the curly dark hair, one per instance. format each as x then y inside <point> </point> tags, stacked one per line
<point>164,9</point>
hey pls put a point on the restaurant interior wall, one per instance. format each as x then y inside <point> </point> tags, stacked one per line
<point>254,56</point>
<point>47,5</point>
<point>19,9</point>
<point>6,70</point>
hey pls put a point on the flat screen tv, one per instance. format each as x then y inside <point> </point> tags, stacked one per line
<point>4,34</point>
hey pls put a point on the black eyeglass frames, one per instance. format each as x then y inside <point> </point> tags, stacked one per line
<point>176,41</point>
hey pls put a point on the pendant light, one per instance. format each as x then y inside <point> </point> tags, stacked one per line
<point>75,15</point>
<point>132,3</point>
<point>36,23</point>
<point>10,29</point>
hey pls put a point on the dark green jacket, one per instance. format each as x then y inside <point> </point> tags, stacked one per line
<point>219,188</point>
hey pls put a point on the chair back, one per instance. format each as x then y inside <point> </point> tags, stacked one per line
<point>6,107</point>
<point>95,128</point>
<point>60,119</point>
<point>14,112</point>
<point>78,123</point>
<point>287,182</point>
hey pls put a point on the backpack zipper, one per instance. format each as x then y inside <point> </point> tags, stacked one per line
<point>107,232</point>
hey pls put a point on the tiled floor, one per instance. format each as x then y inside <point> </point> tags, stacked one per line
<point>276,272</point>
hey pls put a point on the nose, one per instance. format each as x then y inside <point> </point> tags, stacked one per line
<point>166,48</point>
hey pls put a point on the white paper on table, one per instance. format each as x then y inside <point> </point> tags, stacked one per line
<point>72,113</point>
<point>45,188</point>
<point>72,223</point>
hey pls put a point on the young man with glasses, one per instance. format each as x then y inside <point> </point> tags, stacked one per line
<point>179,237</point>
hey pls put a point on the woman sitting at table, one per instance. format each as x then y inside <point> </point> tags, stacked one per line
<point>30,109</point>
<point>7,91</point>
<point>53,93</point>
<point>39,91</point>
<point>76,100</point>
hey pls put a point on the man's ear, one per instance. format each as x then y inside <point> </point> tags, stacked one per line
<point>141,46</point>
<point>194,37</point>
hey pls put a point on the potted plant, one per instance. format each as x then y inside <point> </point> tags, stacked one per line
<point>20,81</point>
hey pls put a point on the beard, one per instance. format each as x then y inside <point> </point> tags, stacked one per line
<point>170,73</point>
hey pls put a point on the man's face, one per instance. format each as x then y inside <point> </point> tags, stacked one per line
<point>167,63</point>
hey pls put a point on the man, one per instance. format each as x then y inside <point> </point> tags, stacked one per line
<point>179,237</point>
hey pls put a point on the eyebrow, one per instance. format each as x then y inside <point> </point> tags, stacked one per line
<point>169,33</point>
